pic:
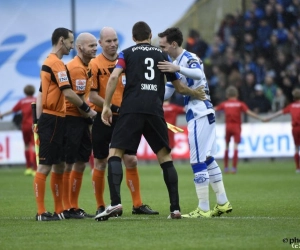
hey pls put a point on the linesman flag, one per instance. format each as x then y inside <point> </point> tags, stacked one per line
<point>174,129</point>
<point>35,134</point>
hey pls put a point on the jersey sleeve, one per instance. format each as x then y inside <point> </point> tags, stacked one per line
<point>169,90</point>
<point>220,106</point>
<point>78,80</point>
<point>60,73</point>
<point>244,107</point>
<point>287,109</point>
<point>17,107</point>
<point>121,61</point>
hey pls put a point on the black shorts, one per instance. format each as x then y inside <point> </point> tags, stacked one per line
<point>51,133</point>
<point>101,137</point>
<point>77,140</point>
<point>130,128</point>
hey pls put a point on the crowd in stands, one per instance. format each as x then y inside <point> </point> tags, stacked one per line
<point>256,51</point>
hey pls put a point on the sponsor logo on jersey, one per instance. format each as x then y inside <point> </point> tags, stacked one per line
<point>80,84</point>
<point>124,80</point>
<point>62,76</point>
<point>146,48</point>
<point>151,87</point>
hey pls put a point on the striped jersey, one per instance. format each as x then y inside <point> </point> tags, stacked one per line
<point>194,108</point>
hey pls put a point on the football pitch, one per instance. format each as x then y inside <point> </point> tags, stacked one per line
<point>265,196</point>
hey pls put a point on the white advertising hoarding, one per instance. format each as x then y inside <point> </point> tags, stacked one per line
<point>258,140</point>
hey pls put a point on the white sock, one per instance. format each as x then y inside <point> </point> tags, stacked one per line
<point>216,182</point>
<point>201,181</point>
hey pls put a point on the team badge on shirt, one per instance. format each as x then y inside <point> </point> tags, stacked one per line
<point>80,84</point>
<point>62,76</point>
<point>124,80</point>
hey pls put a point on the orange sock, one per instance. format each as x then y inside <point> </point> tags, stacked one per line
<point>66,191</point>
<point>39,185</point>
<point>56,183</point>
<point>99,184</point>
<point>133,183</point>
<point>75,183</point>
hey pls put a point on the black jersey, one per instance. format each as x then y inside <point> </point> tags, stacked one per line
<point>145,83</point>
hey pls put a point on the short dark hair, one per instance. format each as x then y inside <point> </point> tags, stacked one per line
<point>141,31</point>
<point>29,90</point>
<point>172,35</point>
<point>60,32</point>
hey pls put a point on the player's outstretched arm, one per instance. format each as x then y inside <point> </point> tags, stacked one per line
<point>6,113</point>
<point>269,118</point>
<point>252,114</point>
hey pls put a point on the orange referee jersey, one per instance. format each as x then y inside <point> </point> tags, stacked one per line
<point>54,79</point>
<point>81,79</point>
<point>101,70</point>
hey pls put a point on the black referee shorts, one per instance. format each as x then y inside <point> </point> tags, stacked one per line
<point>101,137</point>
<point>51,133</point>
<point>77,141</point>
<point>130,128</point>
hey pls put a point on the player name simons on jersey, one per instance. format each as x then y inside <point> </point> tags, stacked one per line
<point>146,86</point>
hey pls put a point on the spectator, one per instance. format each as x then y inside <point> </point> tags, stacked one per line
<point>227,28</point>
<point>279,101</point>
<point>260,69</point>
<point>270,87</point>
<point>259,104</point>
<point>270,16</point>
<point>263,33</point>
<point>281,32</point>
<point>247,88</point>
<point>196,44</point>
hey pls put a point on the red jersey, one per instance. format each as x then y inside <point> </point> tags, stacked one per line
<point>24,105</point>
<point>294,110</point>
<point>233,109</point>
<point>171,111</point>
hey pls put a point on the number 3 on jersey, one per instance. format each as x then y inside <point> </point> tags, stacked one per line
<point>149,75</point>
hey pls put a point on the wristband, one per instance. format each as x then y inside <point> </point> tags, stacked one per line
<point>84,107</point>
<point>115,108</point>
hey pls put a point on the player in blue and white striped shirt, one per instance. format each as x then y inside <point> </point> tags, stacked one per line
<point>200,116</point>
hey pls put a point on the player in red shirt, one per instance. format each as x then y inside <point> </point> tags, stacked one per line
<point>171,111</point>
<point>294,110</point>
<point>233,109</point>
<point>24,105</point>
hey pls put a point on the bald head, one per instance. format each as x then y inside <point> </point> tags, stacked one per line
<point>107,31</point>
<point>85,38</point>
<point>109,42</point>
<point>86,45</point>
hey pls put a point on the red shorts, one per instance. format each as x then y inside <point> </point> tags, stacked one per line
<point>296,135</point>
<point>233,130</point>
<point>27,135</point>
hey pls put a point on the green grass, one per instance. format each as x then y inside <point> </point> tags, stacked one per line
<point>264,196</point>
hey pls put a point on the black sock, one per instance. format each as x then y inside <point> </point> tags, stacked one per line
<point>115,177</point>
<point>171,180</point>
